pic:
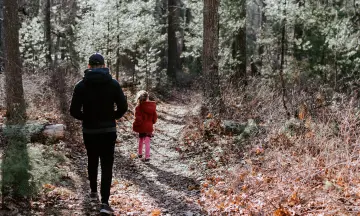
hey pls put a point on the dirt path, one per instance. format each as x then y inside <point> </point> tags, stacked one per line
<point>165,185</point>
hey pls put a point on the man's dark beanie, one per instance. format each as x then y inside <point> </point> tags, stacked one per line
<point>96,59</point>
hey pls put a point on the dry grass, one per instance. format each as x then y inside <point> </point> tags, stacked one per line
<point>310,168</point>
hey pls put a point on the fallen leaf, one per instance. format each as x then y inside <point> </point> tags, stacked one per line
<point>49,186</point>
<point>259,150</point>
<point>115,182</point>
<point>156,212</point>
<point>132,156</point>
<point>282,212</point>
<point>244,187</point>
<point>294,199</point>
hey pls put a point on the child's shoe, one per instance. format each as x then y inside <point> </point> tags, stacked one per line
<point>140,156</point>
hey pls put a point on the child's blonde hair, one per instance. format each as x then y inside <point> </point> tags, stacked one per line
<point>141,96</point>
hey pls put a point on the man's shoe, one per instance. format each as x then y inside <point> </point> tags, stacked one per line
<point>106,209</point>
<point>94,196</point>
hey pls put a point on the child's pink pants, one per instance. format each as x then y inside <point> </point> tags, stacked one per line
<point>147,146</point>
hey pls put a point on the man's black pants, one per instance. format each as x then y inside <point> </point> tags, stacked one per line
<point>100,146</point>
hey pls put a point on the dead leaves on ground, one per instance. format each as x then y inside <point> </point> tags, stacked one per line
<point>54,196</point>
<point>281,140</point>
<point>253,189</point>
<point>52,192</point>
<point>205,138</point>
<point>156,212</point>
<point>282,212</point>
<point>294,199</point>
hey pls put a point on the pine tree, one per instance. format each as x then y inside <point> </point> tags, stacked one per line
<point>172,41</point>
<point>210,56</point>
<point>1,37</point>
<point>15,102</point>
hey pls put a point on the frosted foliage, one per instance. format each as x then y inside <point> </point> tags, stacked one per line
<point>330,27</point>
<point>136,29</point>
<point>133,22</point>
<point>32,46</point>
<point>194,35</point>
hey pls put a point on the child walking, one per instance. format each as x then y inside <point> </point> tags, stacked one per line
<point>145,118</point>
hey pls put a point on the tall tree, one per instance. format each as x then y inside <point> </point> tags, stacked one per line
<point>298,32</point>
<point>15,102</point>
<point>161,8</point>
<point>118,43</point>
<point>211,55</point>
<point>282,61</point>
<point>172,41</point>
<point>239,48</point>
<point>47,23</point>
<point>1,36</point>
<point>262,27</point>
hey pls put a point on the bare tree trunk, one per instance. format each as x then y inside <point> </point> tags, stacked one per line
<point>1,37</point>
<point>118,42</point>
<point>108,49</point>
<point>239,50</point>
<point>262,47</point>
<point>18,183</point>
<point>74,55</point>
<point>15,102</point>
<point>172,42</point>
<point>160,14</point>
<point>210,56</point>
<point>281,72</point>
<point>47,22</point>
<point>147,74</point>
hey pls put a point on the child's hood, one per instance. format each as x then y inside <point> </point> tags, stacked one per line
<point>148,107</point>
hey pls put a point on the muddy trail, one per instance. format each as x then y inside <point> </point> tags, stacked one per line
<point>164,186</point>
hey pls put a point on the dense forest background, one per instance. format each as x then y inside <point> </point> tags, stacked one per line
<point>298,45</point>
<point>291,67</point>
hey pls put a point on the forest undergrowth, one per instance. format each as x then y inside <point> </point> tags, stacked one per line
<point>305,165</point>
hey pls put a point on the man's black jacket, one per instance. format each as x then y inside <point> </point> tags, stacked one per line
<point>94,99</point>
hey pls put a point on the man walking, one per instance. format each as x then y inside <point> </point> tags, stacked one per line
<point>93,103</point>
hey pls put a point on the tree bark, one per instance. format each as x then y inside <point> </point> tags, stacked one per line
<point>210,56</point>
<point>281,72</point>
<point>1,37</point>
<point>74,55</point>
<point>47,22</point>
<point>172,42</point>
<point>160,15</point>
<point>239,50</point>
<point>15,102</point>
<point>118,43</point>
<point>262,47</point>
